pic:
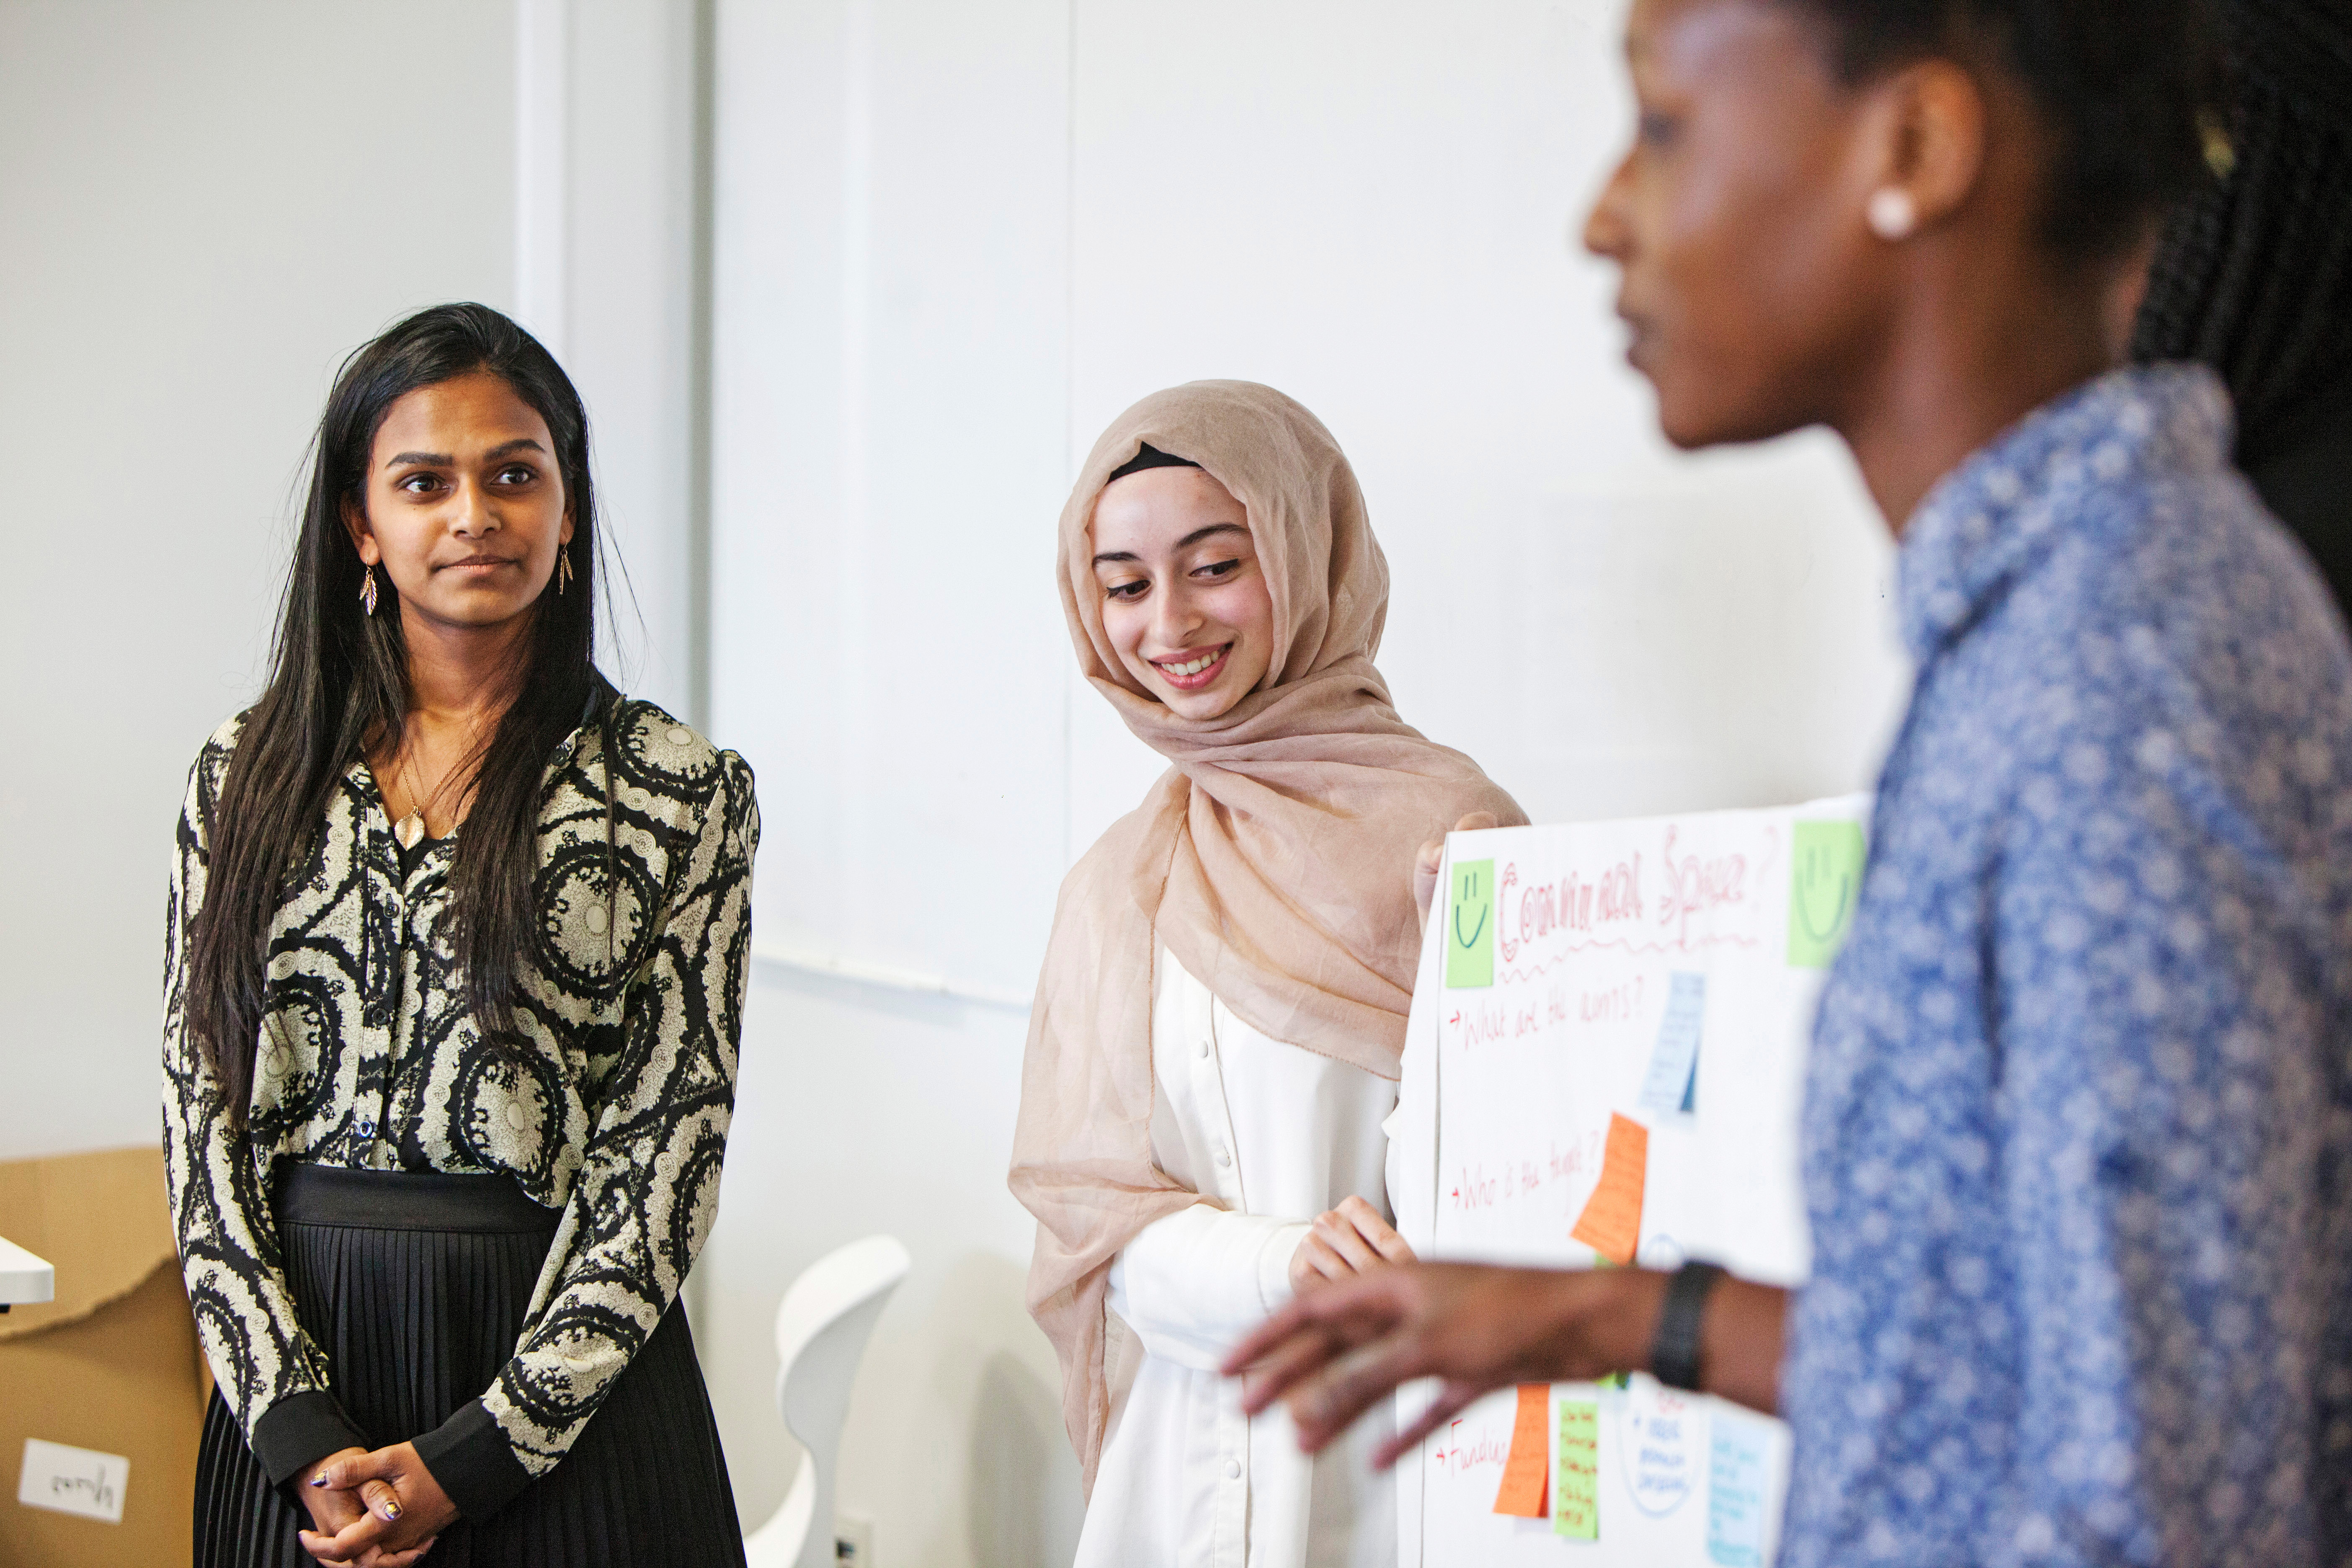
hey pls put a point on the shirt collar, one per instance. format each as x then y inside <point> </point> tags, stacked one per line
<point>1990,521</point>
<point>599,692</point>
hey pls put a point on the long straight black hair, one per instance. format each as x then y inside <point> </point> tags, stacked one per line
<point>339,688</point>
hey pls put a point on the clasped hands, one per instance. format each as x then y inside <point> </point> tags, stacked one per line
<point>380,1509</point>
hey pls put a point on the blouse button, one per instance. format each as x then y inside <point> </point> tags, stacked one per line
<point>596,918</point>
<point>516,1117</point>
<point>1233,1469</point>
<point>1224,1155</point>
<point>680,736</point>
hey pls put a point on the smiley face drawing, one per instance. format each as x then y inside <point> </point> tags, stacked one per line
<point>1470,926</point>
<point>1824,886</point>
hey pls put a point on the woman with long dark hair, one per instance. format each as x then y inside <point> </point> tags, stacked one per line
<point>455,968</point>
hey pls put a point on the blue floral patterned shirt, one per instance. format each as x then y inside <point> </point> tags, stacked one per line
<point>2078,1133</point>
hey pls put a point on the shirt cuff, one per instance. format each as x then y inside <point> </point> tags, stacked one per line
<point>472,1461</point>
<point>1193,1282</point>
<point>298,1431</point>
<point>1274,1257</point>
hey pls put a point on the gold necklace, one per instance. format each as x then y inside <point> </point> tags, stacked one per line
<point>409,831</point>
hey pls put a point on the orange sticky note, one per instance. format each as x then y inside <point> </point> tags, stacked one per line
<point>1527,1470</point>
<point>1611,1222</point>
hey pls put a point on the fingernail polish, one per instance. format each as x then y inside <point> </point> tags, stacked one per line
<point>391,1511</point>
<point>318,1480</point>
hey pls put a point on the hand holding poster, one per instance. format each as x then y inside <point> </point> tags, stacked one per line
<point>1604,1067</point>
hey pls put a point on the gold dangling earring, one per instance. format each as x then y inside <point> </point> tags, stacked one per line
<point>563,568</point>
<point>367,589</point>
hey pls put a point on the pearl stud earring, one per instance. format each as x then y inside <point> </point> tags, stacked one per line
<point>1892,214</point>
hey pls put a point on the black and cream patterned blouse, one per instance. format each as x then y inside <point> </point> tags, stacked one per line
<point>615,1113</point>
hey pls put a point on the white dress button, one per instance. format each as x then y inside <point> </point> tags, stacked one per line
<point>516,1117</point>
<point>1224,1155</point>
<point>679,735</point>
<point>1233,1469</point>
<point>1205,1048</point>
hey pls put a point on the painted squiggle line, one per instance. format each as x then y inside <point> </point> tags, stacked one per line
<point>1624,946</point>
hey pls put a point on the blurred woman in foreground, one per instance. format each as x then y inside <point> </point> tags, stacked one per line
<point>2078,1133</point>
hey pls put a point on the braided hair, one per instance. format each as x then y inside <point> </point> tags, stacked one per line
<point>2254,274</point>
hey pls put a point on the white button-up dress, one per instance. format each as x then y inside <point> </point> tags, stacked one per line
<point>1275,1135</point>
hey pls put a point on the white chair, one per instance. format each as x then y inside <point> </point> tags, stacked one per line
<point>822,1327</point>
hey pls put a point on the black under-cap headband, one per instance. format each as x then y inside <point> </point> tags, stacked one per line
<point>1151,457</point>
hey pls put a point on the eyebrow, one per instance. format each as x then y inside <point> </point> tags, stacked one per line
<point>444,460</point>
<point>1190,540</point>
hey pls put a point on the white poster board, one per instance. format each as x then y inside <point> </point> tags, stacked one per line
<point>1608,1041</point>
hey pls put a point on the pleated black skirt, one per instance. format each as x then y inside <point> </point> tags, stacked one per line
<point>415,1287</point>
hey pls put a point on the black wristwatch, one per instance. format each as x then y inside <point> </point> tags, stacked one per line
<point>1673,1354</point>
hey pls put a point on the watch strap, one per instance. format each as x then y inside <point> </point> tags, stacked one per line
<point>1675,1353</point>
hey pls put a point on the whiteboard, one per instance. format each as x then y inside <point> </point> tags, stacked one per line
<point>1588,993</point>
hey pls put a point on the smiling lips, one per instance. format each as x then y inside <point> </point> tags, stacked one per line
<point>1637,334</point>
<point>478,560</point>
<point>1190,674</point>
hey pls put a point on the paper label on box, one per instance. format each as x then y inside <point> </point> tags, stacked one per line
<point>73,1481</point>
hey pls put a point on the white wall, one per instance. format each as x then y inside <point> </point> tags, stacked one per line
<point>202,209</point>
<point>952,242</point>
<point>628,288</point>
<point>1376,208</point>
<point>890,380</point>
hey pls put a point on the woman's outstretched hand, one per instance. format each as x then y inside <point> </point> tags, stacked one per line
<point>1433,856</point>
<point>1346,1241</point>
<point>395,1511</point>
<point>1334,1350</point>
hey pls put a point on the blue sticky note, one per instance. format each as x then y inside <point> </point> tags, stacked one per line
<point>1735,1496</point>
<point>1671,1086</point>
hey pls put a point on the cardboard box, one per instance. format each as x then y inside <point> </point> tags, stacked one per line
<point>111,1365</point>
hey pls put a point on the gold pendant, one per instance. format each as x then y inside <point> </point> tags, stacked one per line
<point>409,829</point>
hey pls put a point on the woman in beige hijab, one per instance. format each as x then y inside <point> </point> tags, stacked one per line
<point>1215,1041</point>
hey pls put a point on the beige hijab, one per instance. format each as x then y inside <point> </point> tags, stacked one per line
<point>1274,859</point>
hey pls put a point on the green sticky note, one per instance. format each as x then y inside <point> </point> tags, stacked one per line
<point>1470,926</point>
<point>1825,883</point>
<point>1576,1490</point>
